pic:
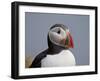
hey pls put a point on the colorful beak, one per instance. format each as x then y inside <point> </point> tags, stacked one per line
<point>69,41</point>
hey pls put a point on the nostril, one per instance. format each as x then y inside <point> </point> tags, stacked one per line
<point>58,32</point>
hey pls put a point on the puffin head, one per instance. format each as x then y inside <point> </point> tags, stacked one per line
<point>59,35</point>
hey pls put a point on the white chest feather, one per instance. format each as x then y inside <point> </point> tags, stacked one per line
<point>64,58</point>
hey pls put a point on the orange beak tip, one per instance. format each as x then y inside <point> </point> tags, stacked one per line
<point>71,45</point>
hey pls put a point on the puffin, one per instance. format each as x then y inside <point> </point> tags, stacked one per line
<point>58,53</point>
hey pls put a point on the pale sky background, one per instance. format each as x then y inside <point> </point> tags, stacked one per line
<point>37,26</point>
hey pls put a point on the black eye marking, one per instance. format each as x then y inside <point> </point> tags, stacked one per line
<point>58,31</point>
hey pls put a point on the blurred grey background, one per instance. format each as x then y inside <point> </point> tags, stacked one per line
<point>37,26</point>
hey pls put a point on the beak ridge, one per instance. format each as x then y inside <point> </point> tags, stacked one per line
<point>69,41</point>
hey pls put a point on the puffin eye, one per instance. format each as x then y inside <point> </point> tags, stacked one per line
<point>58,31</point>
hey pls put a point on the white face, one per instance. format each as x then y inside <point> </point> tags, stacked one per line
<point>57,34</point>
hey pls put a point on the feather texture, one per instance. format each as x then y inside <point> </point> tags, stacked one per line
<point>64,58</point>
